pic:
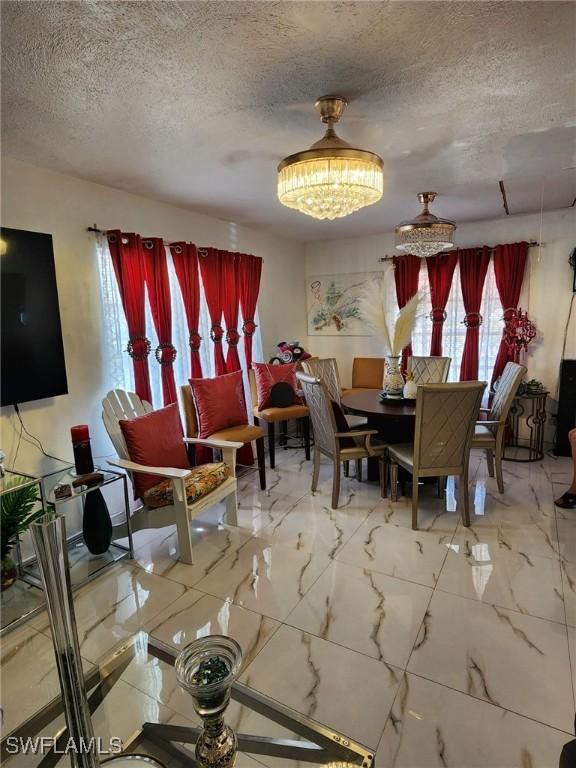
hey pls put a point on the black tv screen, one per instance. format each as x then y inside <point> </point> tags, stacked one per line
<point>32,353</point>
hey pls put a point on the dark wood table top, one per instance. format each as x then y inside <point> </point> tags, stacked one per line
<point>368,403</point>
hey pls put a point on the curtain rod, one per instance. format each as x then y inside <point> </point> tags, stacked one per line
<point>98,231</point>
<point>492,248</point>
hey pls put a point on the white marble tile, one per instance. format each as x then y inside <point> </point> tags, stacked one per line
<point>397,551</point>
<point>313,525</point>
<point>265,576</point>
<point>196,615</point>
<point>431,725</point>
<point>365,611</point>
<point>342,689</point>
<point>572,653</point>
<point>567,538</point>
<point>29,675</point>
<point>516,530</point>
<point>436,515</point>
<point>211,545</point>
<point>568,574</point>
<point>264,508</point>
<point>114,606</point>
<point>481,569</point>
<point>514,661</point>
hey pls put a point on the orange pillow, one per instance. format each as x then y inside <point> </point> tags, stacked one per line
<point>219,403</point>
<point>267,375</point>
<point>156,440</point>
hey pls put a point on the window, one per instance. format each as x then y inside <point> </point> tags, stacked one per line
<point>118,371</point>
<point>454,329</point>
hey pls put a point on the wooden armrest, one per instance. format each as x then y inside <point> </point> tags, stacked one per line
<point>488,423</point>
<point>484,410</point>
<point>218,444</point>
<point>131,466</point>
<point>357,433</point>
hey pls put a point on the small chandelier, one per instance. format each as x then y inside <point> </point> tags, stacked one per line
<point>331,179</point>
<point>426,234</point>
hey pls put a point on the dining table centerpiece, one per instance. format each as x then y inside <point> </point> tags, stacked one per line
<point>391,324</point>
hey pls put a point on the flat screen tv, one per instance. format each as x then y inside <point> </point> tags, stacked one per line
<point>32,353</point>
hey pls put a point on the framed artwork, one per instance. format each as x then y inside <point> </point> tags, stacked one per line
<point>333,304</point>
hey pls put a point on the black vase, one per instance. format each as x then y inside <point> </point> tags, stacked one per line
<point>96,523</point>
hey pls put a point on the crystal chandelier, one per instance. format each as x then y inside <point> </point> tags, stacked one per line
<point>331,179</point>
<point>426,234</point>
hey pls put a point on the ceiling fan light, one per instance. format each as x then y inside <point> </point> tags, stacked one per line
<point>331,179</point>
<point>425,235</point>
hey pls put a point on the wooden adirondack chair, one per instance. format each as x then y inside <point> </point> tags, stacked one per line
<point>119,404</point>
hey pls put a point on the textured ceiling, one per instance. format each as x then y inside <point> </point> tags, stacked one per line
<point>196,102</point>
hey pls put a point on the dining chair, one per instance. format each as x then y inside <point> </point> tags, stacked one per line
<point>445,419</point>
<point>339,446</point>
<point>326,369</point>
<point>241,433</point>
<point>272,416</point>
<point>429,370</point>
<point>489,433</point>
<point>367,373</point>
<point>181,494</point>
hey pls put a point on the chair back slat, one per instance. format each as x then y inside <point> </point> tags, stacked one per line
<point>118,405</point>
<point>321,412</point>
<point>445,419</point>
<point>325,369</point>
<point>429,370</point>
<point>507,387</point>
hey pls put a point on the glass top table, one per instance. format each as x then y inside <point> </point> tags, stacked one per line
<point>138,707</point>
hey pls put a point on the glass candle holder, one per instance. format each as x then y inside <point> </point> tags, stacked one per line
<point>206,669</point>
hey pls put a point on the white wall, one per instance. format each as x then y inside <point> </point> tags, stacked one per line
<point>546,294</point>
<point>40,200</point>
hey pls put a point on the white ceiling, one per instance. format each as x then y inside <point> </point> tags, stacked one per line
<point>195,103</point>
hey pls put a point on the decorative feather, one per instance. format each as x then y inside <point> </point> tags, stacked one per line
<point>379,310</point>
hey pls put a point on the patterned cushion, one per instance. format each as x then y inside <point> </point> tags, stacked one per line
<point>201,481</point>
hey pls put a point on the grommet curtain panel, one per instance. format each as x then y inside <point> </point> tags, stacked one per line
<point>128,262</point>
<point>249,274</point>
<point>230,307</point>
<point>509,267</point>
<point>185,260</point>
<point>210,262</point>
<point>156,272</point>
<point>473,264</point>
<point>406,274</point>
<point>440,272</point>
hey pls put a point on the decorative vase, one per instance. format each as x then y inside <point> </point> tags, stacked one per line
<point>410,389</point>
<point>96,523</point>
<point>393,379</point>
<point>206,669</point>
<point>8,573</point>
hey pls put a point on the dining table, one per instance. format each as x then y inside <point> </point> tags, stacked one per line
<point>393,418</point>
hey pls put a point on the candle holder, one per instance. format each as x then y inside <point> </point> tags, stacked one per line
<point>206,669</point>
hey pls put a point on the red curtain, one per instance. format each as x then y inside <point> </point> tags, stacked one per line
<point>156,272</point>
<point>230,306</point>
<point>509,267</point>
<point>406,273</point>
<point>473,267</point>
<point>249,273</point>
<point>440,272</point>
<point>128,262</point>
<point>210,263</point>
<point>185,258</point>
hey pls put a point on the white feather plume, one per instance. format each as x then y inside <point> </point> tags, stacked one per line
<point>380,312</point>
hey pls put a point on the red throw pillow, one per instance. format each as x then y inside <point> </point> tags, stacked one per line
<point>268,375</point>
<point>219,403</point>
<point>156,440</point>
<point>342,425</point>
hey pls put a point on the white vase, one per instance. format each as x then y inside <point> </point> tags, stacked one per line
<point>393,379</point>
<point>410,390</point>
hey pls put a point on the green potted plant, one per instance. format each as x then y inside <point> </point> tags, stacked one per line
<point>534,387</point>
<point>17,511</point>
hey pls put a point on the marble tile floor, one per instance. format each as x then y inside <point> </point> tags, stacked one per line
<point>444,646</point>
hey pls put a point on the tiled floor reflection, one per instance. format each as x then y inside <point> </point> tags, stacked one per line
<point>444,646</point>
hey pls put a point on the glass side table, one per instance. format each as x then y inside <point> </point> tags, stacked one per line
<point>138,707</point>
<point>84,566</point>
